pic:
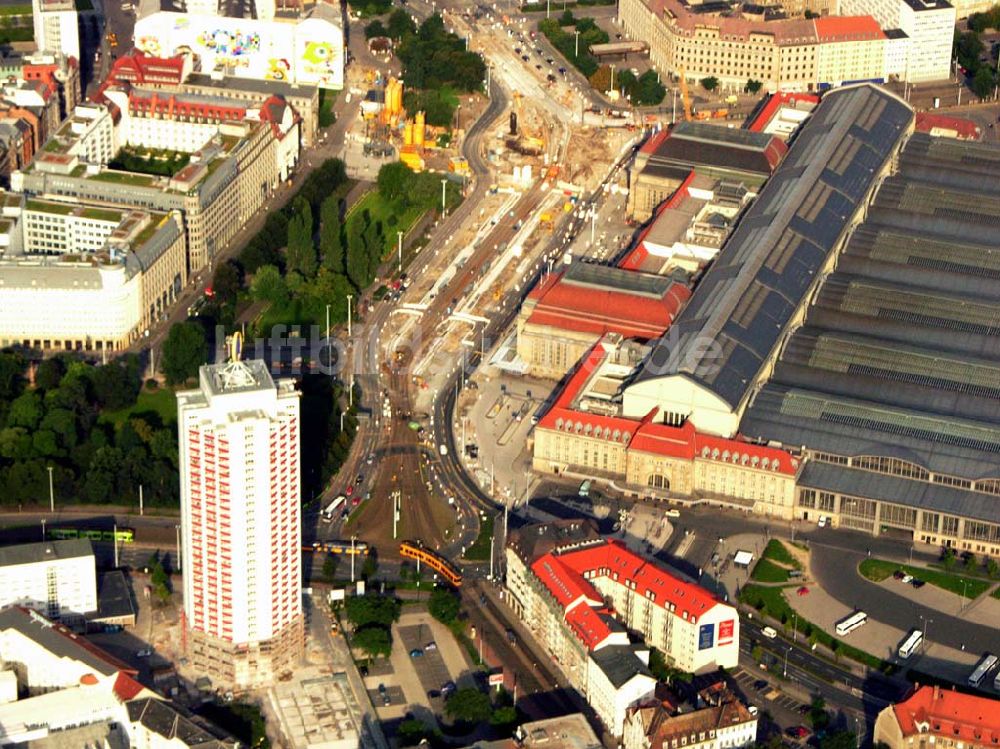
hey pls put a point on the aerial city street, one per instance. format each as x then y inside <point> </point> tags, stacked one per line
<point>562,374</point>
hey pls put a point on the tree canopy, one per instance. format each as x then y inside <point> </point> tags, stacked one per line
<point>468,706</point>
<point>374,640</point>
<point>364,611</point>
<point>184,350</point>
<point>435,57</point>
<point>444,605</point>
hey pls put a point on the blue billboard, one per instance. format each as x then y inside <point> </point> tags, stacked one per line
<point>706,636</point>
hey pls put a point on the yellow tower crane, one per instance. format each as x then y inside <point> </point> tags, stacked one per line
<point>685,94</point>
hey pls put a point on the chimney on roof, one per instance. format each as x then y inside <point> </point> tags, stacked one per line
<point>937,691</point>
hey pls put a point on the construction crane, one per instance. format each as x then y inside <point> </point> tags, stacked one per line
<point>685,94</point>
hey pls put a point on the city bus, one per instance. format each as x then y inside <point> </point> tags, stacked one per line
<point>332,507</point>
<point>851,623</point>
<point>911,643</point>
<point>986,664</point>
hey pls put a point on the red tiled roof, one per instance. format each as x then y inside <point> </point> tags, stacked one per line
<point>776,102</point>
<point>690,601</point>
<point>965,129</point>
<point>168,107</point>
<point>659,439</point>
<point>847,28</point>
<point>567,587</point>
<point>126,687</point>
<point>563,304</point>
<point>961,717</point>
<point>141,69</point>
<point>588,625</point>
<point>654,142</point>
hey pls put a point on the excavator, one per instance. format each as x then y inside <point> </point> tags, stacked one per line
<point>518,139</point>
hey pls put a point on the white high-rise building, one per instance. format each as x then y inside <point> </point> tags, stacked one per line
<point>57,27</point>
<point>241,525</point>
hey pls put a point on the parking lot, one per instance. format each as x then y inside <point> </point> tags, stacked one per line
<point>430,666</point>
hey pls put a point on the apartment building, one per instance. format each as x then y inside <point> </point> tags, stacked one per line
<point>725,724</point>
<point>55,578</point>
<point>241,523</point>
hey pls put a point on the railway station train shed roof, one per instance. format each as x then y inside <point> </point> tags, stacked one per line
<point>898,359</point>
<point>773,259</point>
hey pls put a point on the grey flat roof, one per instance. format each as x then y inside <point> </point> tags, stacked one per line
<point>900,352</point>
<point>114,600</point>
<point>604,277</point>
<point>764,272</point>
<point>60,641</point>
<point>619,663</point>
<point>264,88</point>
<point>42,552</point>
<point>907,492</point>
<point>172,723</point>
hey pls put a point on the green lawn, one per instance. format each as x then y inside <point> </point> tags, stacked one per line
<point>766,571</point>
<point>326,99</point>
<point>16,10</point>
<point>996,594</point>
<point>380,210</point>
<point>778,552</point>
<point>125,178</point>
<point>161,401</point>
<point>771,602</point>
<point>878,570</point>
<point>480,549</point>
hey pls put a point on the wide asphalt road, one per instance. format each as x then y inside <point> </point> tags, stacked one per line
<point>836,571</point>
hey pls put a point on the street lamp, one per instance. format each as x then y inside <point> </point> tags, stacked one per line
<point>349,298</point>
<point>328,321</point>
<point>576,45</point>
<point>399,249</point>
<point>444,182</point>
<point>925,623</point>
<point>43,529</point>
<point>784,672</point>
<point>52,499</point>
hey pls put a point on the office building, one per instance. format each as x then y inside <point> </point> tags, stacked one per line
<point>236,157</point>
<point>928,27</point>
<point>932,716</point>
<point>55,578</point>
<point>123,267</point>
<point>739,43</point>
<point>241,526</point>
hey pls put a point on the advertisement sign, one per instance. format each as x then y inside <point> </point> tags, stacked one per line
<point>496,680</point>
<point>726,632</point>
<point>706,636</point>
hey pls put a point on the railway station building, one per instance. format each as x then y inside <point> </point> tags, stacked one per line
<point>847,331</point>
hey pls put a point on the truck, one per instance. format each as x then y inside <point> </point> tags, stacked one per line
<point>331,508</point>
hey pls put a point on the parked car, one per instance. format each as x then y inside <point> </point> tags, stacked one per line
<point>798,732</point>
<point>917,583</point>
<point>822,521</point>
<point>803,591</point>
<point>350,490</point>
<point>769,633</point>
<point>431,646</point>
<point>144,653</point>
<point>433,693</point>
<point>672,513</point>
<point>760,685</point>
<point>907,578</point>
<point>447,688</point>
<point>416,653</point>
<point>898,575</point>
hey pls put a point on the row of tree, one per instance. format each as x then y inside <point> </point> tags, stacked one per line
<point>642,91</point>
<point>578,53</point>
<point>398,25</point>
<point>64,422</point>
<point>970,52</point>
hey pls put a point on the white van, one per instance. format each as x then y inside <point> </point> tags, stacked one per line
<point>769,633</point>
